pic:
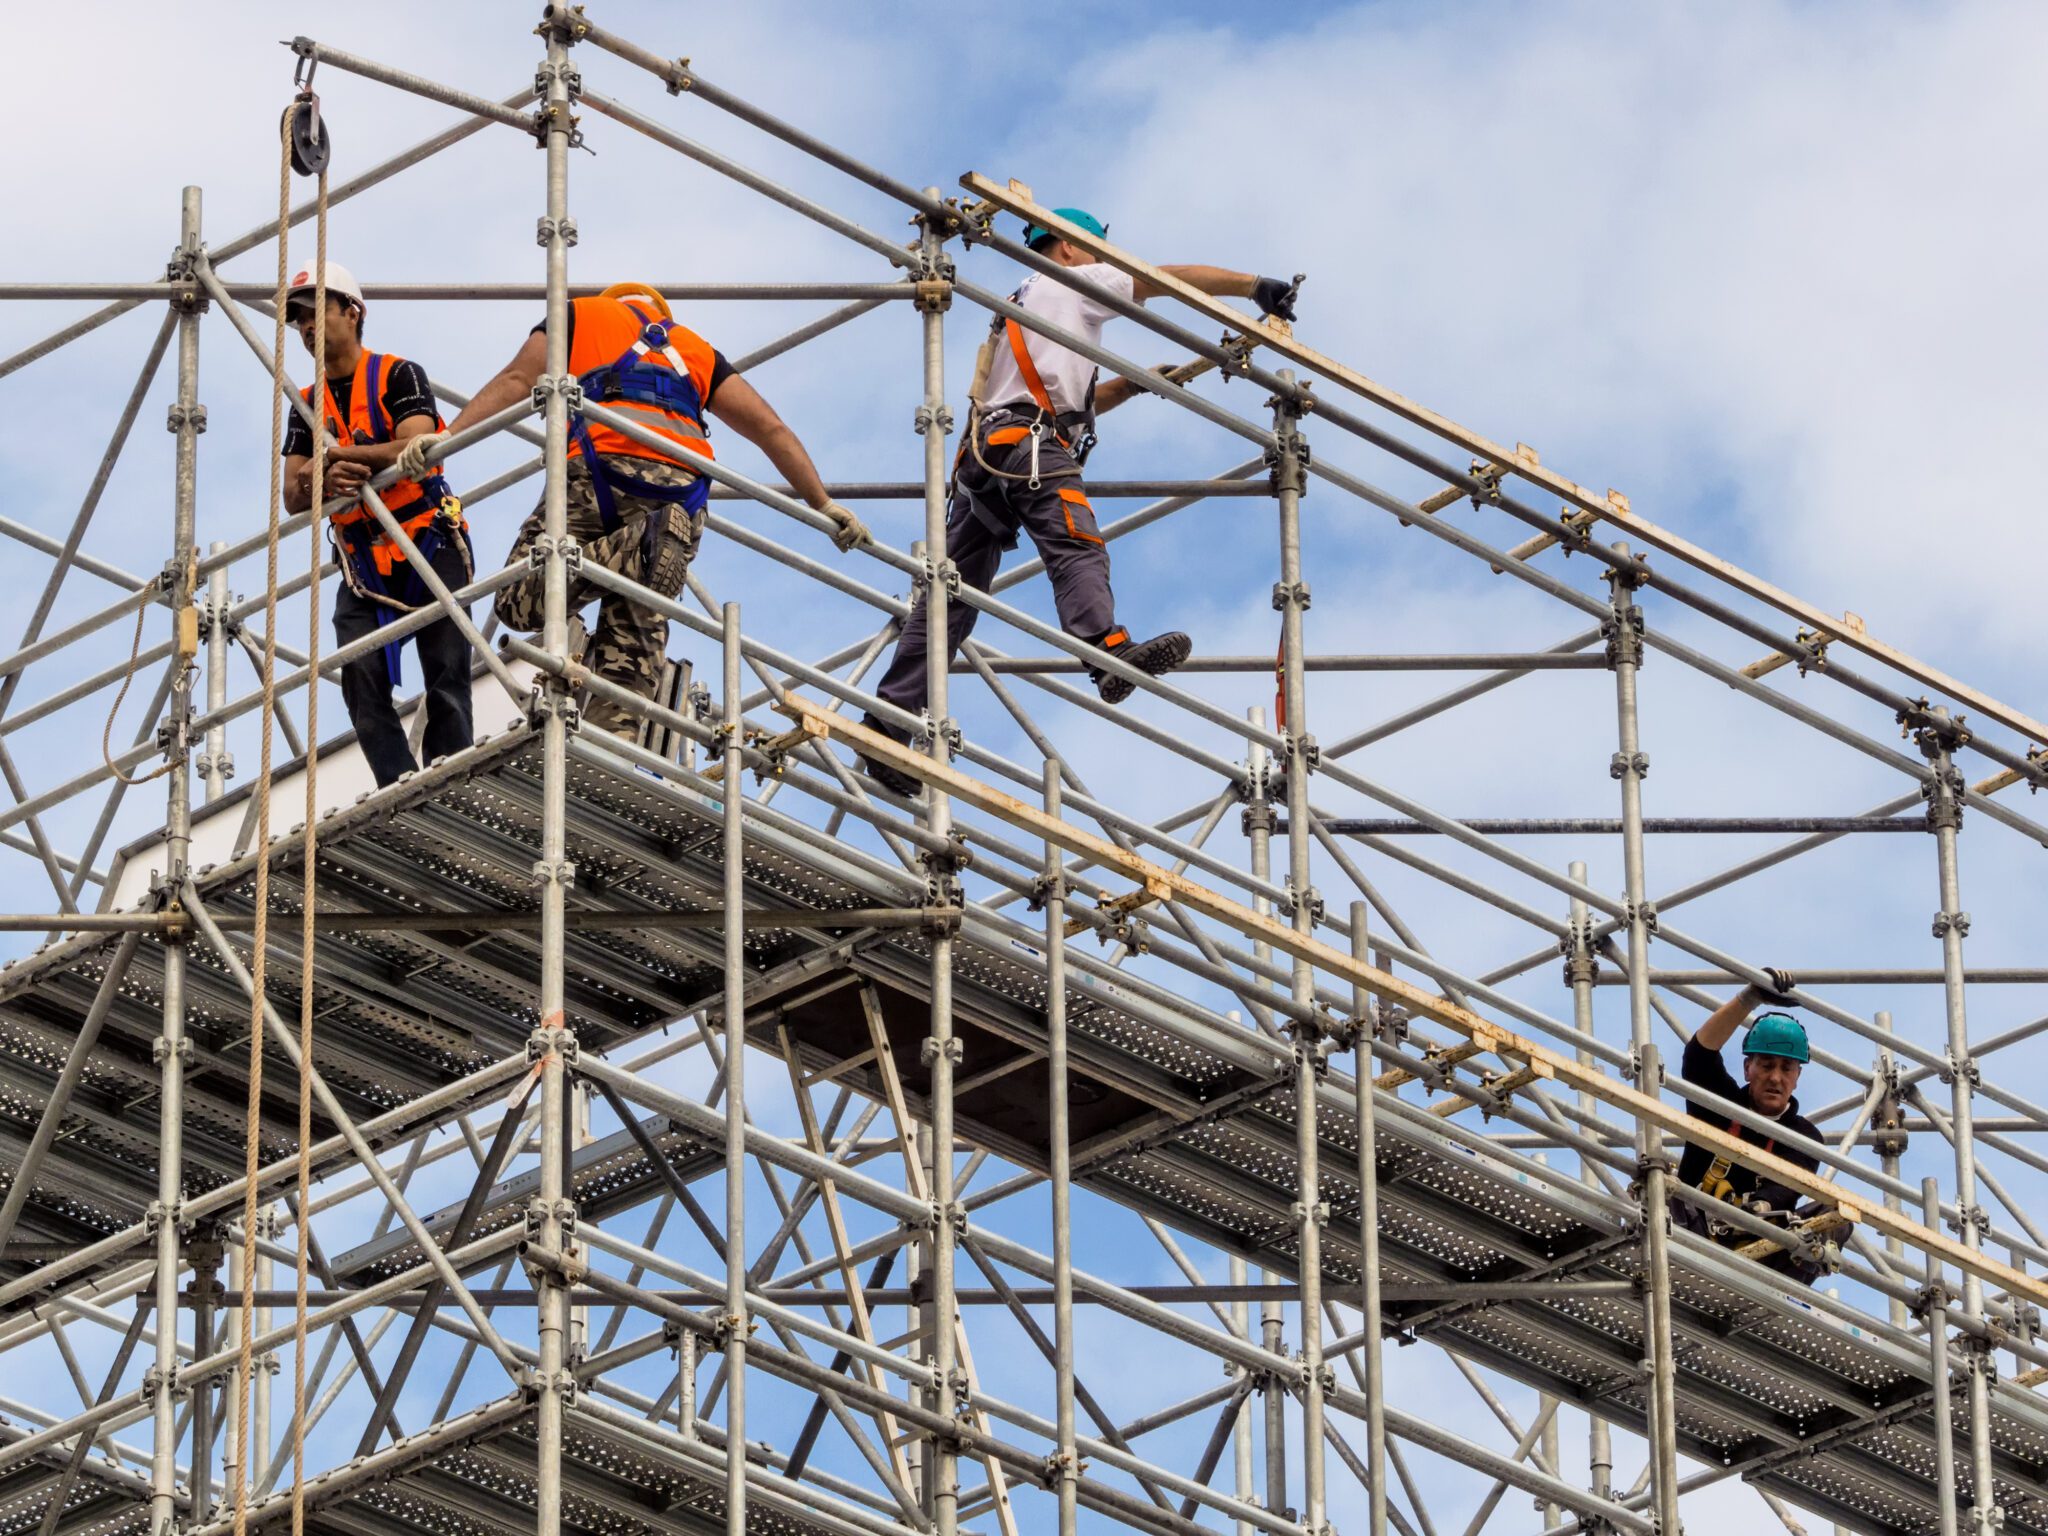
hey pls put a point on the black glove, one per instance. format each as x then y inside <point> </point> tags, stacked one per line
<point>1275,296</point>
<point>1782,981</point>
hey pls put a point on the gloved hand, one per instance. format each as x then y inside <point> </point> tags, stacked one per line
<point>848,531</point>
<point>1275,296</point>
<point>1782,981</point>
<point>418,453</point>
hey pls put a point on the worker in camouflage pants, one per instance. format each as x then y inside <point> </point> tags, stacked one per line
<point>635,505</point>
<point>629,641</point>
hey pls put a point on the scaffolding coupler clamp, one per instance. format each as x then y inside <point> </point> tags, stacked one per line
<point>156,1378</point>
<point>1046,888</point>
<point>939,922</point>
<point>179,417</point>
<point>1646,910</point>
<point>545,229</point>
<point>932,294</point>
<point>533,1381</point>
<point>548,872</point>
<point>1487,475</point>
<point>161,1049</point>
<point>1287,594</point>
<point>1059,1467</point>
<point>565,385</point>
<point>1277,459</point>
<point>1622,764</point>
<point>1944,922</point>
<point>925,420</point>
<point>1624,638</point>
<point>1290,902</point>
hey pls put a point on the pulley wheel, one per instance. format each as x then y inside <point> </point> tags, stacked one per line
<point>310,143</point>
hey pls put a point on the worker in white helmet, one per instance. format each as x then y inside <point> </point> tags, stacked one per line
<point>373,404</point>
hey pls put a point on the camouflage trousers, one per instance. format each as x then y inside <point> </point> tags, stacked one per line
<point>629,641</point>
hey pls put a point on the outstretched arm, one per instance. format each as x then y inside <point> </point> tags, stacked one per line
<point>1725,1020</point>
<point>1220,282</point>
<point>514,383</point>
<point>740,406</point>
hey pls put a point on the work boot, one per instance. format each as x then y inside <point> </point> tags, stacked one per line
<point>1155,657</point>
<point>669,545</point>
<point>895,780</point>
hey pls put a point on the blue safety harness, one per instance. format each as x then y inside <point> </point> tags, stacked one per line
<point>631,377</point>
<point>356,541</point>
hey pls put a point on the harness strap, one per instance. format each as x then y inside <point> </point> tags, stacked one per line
<point>1028,369</point>
<point>1715,1180</point>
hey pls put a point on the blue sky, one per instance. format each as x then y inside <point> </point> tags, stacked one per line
<point>1773,272</point>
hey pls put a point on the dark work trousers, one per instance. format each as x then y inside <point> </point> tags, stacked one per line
<point>983,521</point>
<point>444,667</point>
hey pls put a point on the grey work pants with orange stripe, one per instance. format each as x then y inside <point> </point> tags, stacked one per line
<point>987,512</point>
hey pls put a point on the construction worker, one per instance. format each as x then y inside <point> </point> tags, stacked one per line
<point>1031,422</point>
<point>375,404</point>
<point>1772,1056</point>
<point>634,509</point>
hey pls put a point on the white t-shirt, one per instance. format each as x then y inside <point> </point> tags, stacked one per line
<point>1064,372</point>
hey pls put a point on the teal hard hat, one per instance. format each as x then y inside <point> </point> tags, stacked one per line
<point>1033,233</point>
<point>1777,1034</point>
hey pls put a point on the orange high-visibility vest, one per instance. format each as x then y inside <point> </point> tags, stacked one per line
<point>365,414</point>
<point>612,340</point>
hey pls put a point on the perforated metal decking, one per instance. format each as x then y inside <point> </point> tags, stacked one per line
<point>1175,1115</point>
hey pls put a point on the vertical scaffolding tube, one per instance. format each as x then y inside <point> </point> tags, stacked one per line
<point>735,956</point>
<point>554,1043</point>
<point>215,765</point>
<point>1624,629</point>
<point>173,1048</point>
<point>1258,821</point>
<point>1937,738</point>
<point>1241,1431</point>
<point>1362,1012</point>
<point>943,886</point>
<point>1579,966</point>
<point>1061,1133</point>
<point>1889,1122</point>
<point>265,1364</point>
<point>1938,1360</point>
<point>1290,478</point>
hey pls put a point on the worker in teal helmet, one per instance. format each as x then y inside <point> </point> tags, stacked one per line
<point>1030,423</point>
<point>1773,1054</point>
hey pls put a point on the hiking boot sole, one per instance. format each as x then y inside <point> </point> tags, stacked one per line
<point>1155,658</point>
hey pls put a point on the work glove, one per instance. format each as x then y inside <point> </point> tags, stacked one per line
<point>418,453</point>
<point>1782,981</point>
<point>848,531</point>
<point>1275,296</point>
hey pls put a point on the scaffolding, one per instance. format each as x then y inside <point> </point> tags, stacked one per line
<point>1370,1144</point>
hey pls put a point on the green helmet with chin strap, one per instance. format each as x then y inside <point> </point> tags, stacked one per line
<point>1778,1034</point>
<point>1033,233</point>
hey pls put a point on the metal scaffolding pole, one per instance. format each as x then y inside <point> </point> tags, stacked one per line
<point>187,421</point>
<point>736,1323</point>
<point>942,876</point>
<point>1937,735</point>
<point>555,1043</point>
<point>1061,1132</point>
<point>1258,821</point>
<point>1365,1021</point>
<point>1291,597</point>
<point>1580,966</point>
<point>1625,655</point>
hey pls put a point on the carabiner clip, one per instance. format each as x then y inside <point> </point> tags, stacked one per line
<point>1037,432</point>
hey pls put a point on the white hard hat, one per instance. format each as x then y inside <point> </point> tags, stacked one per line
<point>339,281</point>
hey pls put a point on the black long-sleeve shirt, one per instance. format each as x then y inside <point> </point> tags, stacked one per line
<point>1703,1068</point>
